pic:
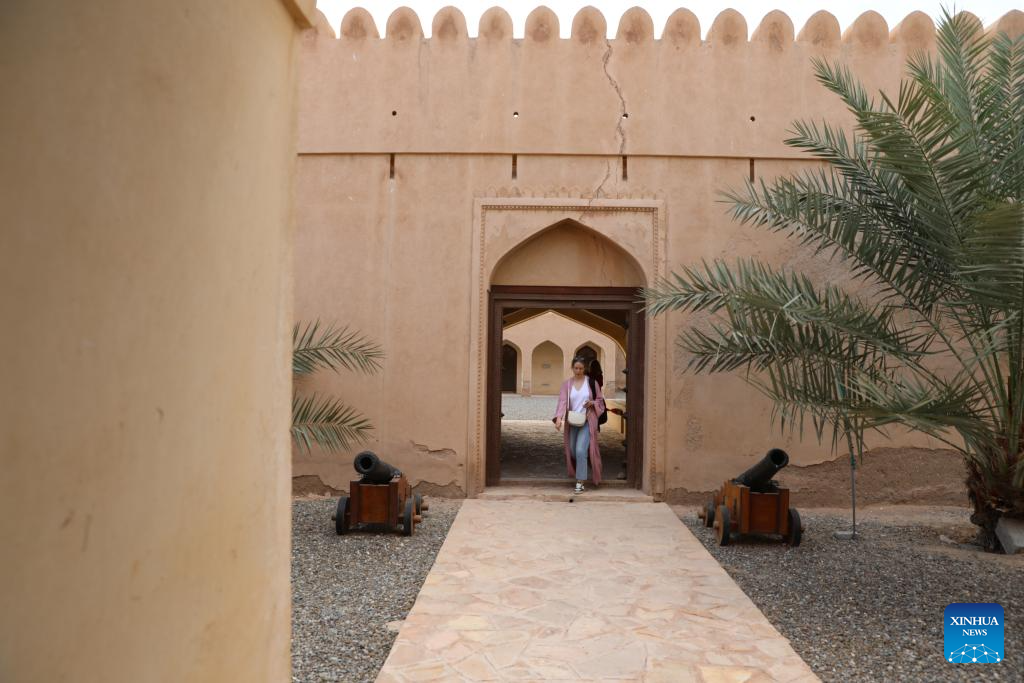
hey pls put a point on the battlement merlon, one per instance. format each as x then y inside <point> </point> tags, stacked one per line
<point>723,96</point>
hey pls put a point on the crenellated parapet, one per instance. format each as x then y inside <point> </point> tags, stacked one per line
<point>681,94</point>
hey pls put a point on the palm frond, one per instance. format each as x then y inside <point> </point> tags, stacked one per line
<point>861,220</point>
<point>991,263</point>
<point>1002,115</point>
<point>781,308</point>
<point>332,348</point>
<point>934,407</point>
<point>328,423</point>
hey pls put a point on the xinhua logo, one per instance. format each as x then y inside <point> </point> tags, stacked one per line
<point>973,633</point>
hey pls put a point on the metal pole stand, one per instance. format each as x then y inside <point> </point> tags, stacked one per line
<point>851,534</point>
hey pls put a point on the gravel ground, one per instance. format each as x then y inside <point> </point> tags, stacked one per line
<point>872,609</point>
<point>516,407</point>
<point>345,589</point>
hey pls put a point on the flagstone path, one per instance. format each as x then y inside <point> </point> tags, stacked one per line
<point>543,591</point>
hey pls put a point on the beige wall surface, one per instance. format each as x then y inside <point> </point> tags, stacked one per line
<point>479,196</point>
<point>145,286</point>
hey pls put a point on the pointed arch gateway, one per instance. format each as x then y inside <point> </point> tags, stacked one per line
<point>574,265</point>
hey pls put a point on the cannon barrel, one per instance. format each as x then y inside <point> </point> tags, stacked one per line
<point>373,469</point>
<point>760,475</point>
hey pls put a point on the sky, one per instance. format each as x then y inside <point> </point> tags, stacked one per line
<point>753,10</point>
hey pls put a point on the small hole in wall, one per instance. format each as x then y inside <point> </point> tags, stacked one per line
<point>515,166</point>
<point>625,115</point>
<point>394,113</point>
<point>753,119</point>
<point>515,115</point>
<point>391,170</point>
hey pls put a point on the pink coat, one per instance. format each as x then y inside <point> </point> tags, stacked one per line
<point>592,414</point>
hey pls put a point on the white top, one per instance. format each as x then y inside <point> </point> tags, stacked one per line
<point>577,397</point>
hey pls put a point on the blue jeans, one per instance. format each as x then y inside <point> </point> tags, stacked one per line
<point>579,446</point>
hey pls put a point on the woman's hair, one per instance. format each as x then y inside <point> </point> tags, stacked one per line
<point>581,360</point>
<point>595,367</point>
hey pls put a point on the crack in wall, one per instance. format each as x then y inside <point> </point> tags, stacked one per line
<point>620,131</point>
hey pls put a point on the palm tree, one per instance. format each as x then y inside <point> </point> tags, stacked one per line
<point>326,421</point>
<point>922,203</point>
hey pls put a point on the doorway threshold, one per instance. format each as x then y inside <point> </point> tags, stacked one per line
<point>560,491</point>
<point>558,481</point>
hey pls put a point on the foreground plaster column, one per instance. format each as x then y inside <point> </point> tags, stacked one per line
<point>145,299</point>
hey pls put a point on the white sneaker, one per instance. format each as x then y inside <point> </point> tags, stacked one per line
<point>579,487</point>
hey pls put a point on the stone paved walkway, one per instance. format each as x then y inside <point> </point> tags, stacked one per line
<point>533,591</point>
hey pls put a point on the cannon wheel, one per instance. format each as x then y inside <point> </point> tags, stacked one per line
<point>723,525</point>
<point>419,503</point>
<point>407,519</point>
<point>341,516</point>
<point>795,528</point>
<point>709,514</point>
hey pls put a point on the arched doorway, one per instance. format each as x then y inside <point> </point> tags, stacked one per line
<point>587,353</point>
<point>554,271</point>
<point>509,368</point>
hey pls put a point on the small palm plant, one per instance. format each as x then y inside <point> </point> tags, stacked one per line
<point>923,204</point>
<point>326,421</point>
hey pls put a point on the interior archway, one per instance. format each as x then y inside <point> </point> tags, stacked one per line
<point>547,369</point>
<point>616,331</point>
<point>590,351</point>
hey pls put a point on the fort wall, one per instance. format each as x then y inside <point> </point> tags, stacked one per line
<point>404,142</point>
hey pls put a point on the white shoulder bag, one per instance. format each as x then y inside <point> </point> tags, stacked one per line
<point>576,418</point>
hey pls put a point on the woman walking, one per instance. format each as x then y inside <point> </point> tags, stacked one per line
<point>580,403</point>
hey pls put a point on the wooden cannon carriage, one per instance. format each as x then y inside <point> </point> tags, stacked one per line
<point>383,496</point>
<point>753,503</point>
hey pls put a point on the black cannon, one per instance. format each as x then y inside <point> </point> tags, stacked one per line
<point>373,469</point>
<point>381,497</point>
<point>753,503</point>
<point>759,477</point>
